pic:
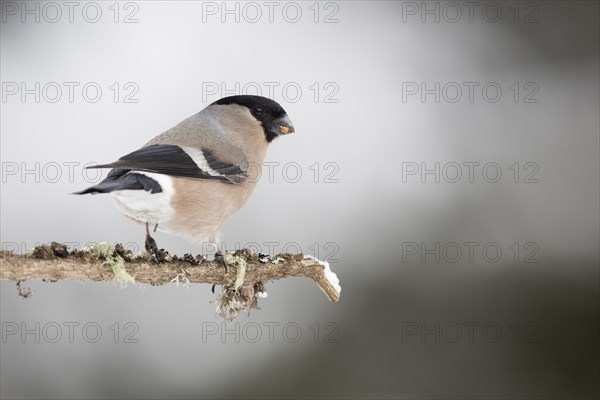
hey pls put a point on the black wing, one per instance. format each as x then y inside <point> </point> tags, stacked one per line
<point>174,161</point>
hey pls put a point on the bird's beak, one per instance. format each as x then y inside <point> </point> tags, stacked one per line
<point>282,126</point>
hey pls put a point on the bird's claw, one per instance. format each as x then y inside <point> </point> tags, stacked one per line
<point>151,247</point>
<point>220,258</point>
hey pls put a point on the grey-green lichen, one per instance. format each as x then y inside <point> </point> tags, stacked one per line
<point>104,250</point>
<point>117,264</point>
<point>99,250</point>
<point>240,264</point>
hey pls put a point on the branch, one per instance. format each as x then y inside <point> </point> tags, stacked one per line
<point>102,263</point>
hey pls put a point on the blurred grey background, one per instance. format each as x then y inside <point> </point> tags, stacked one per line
<point>420,315</point>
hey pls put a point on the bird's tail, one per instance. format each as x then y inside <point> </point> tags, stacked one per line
<point>123,179</point>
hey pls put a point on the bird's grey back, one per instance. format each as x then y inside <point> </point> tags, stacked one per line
<point>219,129</point>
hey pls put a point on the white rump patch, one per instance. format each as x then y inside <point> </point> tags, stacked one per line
<point>143,206</point>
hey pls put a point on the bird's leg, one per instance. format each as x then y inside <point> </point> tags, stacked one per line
<point>150,243</point>
<point>151,247</point>
<point>220,258</point>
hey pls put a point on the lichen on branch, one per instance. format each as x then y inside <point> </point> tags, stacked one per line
<point>103,262</point>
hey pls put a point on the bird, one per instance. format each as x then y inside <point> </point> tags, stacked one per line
<point>191,178</point>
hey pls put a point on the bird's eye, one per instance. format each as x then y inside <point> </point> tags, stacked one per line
<point>257,111</point>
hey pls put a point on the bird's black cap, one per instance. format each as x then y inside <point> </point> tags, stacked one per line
<point>272,116</point>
